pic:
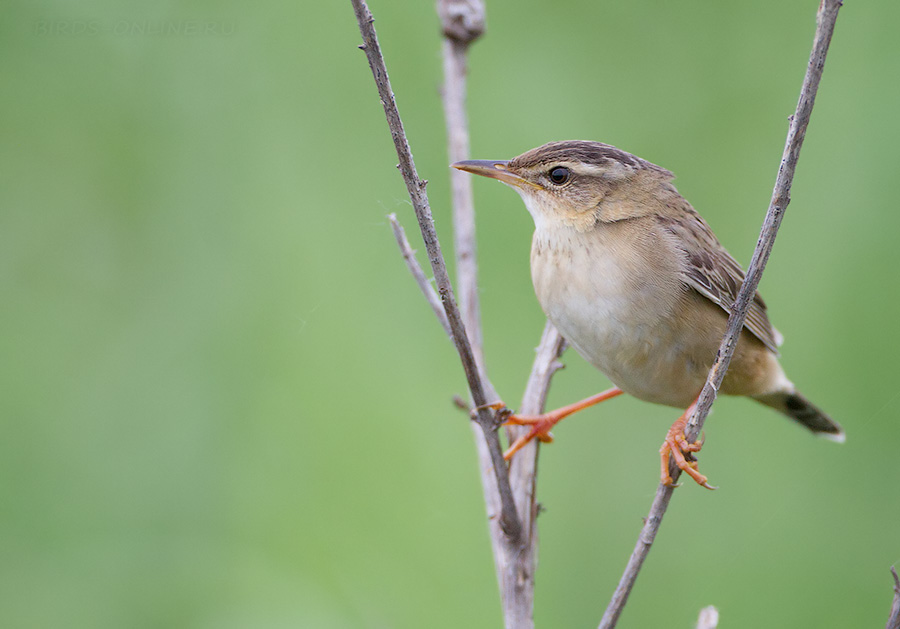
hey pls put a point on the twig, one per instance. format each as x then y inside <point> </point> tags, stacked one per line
<point>825,20</point>
<point>409,256</point>
<point>462,22</point>
<point>894,619</point>
<point>517,568</point>
<point>516,563</point>
<point>509,520</point>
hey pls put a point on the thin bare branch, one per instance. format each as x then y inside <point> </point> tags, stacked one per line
<point>454,99</point>
<point>462,22</point>
<point>509,520</point>
<point>894,619</point>
<point>409,256</point>
<point>825,21</point>
<point>516,571</point>
<point>781,196</point>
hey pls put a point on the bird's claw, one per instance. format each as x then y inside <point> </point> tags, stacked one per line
<point>682,450</point>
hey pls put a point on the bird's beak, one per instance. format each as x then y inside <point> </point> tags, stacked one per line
<point>495,169</point>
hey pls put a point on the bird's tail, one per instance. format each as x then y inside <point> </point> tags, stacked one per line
<point>804,412</point>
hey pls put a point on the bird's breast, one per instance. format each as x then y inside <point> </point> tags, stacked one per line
<point>615,294</point>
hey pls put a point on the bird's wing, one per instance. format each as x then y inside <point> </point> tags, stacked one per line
<point>712,272</point>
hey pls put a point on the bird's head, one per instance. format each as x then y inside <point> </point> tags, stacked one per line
<point>577,183</point>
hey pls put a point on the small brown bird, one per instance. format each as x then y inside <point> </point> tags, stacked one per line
<point>638,284</point>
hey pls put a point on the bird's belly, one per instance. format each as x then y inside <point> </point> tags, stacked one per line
<point>647,360</point>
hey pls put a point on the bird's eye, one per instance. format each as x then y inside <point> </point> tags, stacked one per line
<point>560,175</point>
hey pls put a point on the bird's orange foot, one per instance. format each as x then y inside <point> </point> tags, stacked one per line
<point>541,424</point>
<point>682,451</point>
<point>540,429</point>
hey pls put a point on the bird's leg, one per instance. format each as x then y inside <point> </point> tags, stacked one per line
<point>677,445</point>
<point>541,424</point>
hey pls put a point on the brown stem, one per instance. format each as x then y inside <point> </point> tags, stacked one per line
<point>516,566</point>
<point>409,256</point>
<point>825,20</point>
<point>509,520</point>
<point>462,22</point>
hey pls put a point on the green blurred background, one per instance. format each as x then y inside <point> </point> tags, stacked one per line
<point>225,404</point>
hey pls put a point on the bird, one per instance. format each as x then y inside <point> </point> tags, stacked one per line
<point>637,283</point>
